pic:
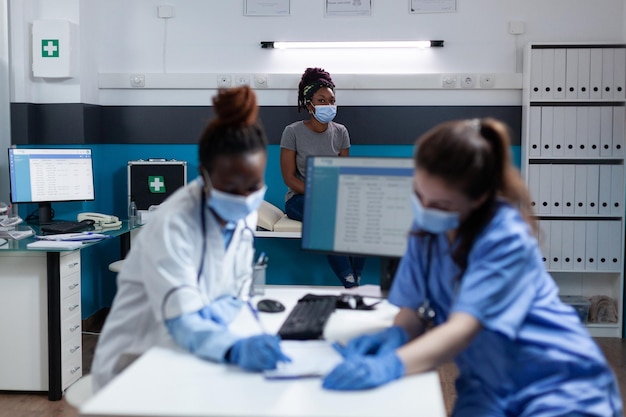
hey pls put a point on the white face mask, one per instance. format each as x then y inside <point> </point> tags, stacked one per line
<point>433,220</point>
<point>233,207</point>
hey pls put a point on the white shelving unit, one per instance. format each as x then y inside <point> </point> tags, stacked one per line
<point>573,162</point>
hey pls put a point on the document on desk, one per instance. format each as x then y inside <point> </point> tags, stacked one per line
<point>74,237</point>
<point>309,358</point>
<point>54,244</point>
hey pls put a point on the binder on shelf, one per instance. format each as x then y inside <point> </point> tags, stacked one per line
<point>556,180</point>
<point>618,131</point>
<point>534,132</point>
<point>544,240</point>
<point>567,244</point>
<point>608,67</point>
<point>535,74</point>
<point>591,246</point>
<point>570,132</point>
<point>580,232</point>
<point>595,74</point>
<point>545,189</point>
<point>547,126</point>
<point>556,242</point>
<point>584,65</point>
<point>558,131</point>
<point>619,76</point>
<point>582,131</point>
<point>617,190</point>
<point>569,188</point>
<point>593,137</point>
<point>547,74</point>
<point>559,74</point>
<point>580,196</point>
<point>533,186</point>
<point>604,233</point>
<point>615,254</point>
<point>604,190</point>
<point>593,173</point>
<point>606,131</point>
<point>571,74</point>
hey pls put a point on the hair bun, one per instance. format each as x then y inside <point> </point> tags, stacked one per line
<point>235,107</point>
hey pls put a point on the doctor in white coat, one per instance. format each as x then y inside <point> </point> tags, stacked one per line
<point>180,281</point>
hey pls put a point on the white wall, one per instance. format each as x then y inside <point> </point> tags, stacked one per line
<point>213,36</point>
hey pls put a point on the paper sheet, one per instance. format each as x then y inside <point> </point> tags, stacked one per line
<point>54,244</point>
<point>309,358</point>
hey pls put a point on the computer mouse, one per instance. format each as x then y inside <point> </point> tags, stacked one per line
<point>270,306</point>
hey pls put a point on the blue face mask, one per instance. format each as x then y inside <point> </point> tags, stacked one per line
<point>233,207</point>
<point>325,113</point>
<point>433,220</point>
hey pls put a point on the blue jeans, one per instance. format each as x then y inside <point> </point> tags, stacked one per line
<point>347,268</point>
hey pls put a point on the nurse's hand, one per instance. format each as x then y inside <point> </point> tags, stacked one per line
<point>374,344</point>
<point>363,372</point>
<point>257,353</point>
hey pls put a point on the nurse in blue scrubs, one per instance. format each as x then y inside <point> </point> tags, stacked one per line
<point>472,287</point>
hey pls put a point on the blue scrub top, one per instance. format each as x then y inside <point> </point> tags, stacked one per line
<point>529,337</point>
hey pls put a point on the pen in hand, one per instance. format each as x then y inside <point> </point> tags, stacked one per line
<point>256,315</point>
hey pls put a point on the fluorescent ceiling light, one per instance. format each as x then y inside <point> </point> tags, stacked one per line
<point>355,44</point>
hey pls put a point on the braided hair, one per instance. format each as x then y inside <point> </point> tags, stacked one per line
<point>235,129</point>
<point>312,80</point>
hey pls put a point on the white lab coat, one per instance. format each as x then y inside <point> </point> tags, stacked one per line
<point>160,278</point>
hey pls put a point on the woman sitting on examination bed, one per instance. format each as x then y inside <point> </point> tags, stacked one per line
<point>185,269</point>
<point>317,136</point>
<point>473,267</point>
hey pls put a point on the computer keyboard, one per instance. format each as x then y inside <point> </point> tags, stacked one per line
<point>308,317</point>
<point>67,227</point>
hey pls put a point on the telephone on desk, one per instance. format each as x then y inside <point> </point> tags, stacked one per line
<point>101,221</point>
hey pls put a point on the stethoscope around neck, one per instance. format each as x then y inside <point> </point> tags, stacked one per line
<point>203,222</point>
<point>245,283</point>
<point>425,311</point>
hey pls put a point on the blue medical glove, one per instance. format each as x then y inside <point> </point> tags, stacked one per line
<point>222,310</point>
<point>363,372</point>
<point>257,353</point>
<point>375,344</point>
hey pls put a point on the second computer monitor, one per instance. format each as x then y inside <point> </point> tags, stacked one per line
<point>358,205</point>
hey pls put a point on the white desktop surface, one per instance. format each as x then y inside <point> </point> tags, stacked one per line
<point>171,382</point>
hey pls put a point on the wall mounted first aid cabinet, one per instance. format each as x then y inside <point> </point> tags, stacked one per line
<point>573,150</point>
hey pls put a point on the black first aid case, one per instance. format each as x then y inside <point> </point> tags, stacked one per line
<point>151,181</point>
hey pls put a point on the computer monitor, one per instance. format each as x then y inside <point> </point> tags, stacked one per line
<point>46,175</point>
<point>358,206</point>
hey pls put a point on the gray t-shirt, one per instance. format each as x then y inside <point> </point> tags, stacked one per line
<point>299,138</point>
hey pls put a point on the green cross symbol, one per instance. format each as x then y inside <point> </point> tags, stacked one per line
<point>156,184</point>
<point>49,48</point>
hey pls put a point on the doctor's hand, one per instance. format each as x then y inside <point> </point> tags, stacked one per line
<point>374,344</point>
<point>222,310</point>
<point>257,353</point>
<point>363,372</point>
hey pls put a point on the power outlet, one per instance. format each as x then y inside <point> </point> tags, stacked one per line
<point>224,81</point>
<point>468,81</point>
<point>137,80</point>
<point>260,81</point>
<point>448,81</point>
<point>241,79</point>
<point>487,80</point>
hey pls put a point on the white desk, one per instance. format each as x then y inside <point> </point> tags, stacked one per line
<point>170,382</point>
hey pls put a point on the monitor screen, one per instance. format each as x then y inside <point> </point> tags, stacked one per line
<point>49,175</point>
<point>358,205</point>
